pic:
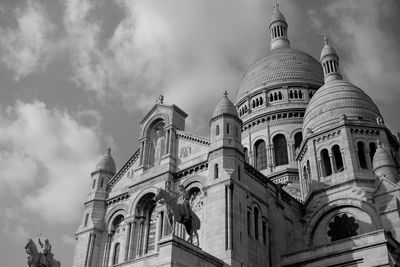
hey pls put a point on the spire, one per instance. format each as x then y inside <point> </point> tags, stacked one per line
<point>278,28</point>
<point>330,62</point>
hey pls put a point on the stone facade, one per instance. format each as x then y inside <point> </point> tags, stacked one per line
<point>292,174</point>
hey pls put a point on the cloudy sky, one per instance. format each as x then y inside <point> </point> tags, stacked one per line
<point>78,75</point>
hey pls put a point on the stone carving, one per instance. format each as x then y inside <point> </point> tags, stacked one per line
<point>130,174</point>
<point>185,151</point>
<point>177,212</point>
<point>43,259</point>
<point>342,227</point>
<point>380,121</point>
<point>342,117</point>
<point>197,201</point>
<point>158,147</point>
<point>160,100</point>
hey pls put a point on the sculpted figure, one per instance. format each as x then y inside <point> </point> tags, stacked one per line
<point>183,198</point>
<point>46,248</point>
<point>158,147</point>
<point>37,259</point>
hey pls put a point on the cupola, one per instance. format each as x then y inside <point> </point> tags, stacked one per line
<point>383,164</point>
<point>225,106</point>
<point>278,28</point>
<point>330,62</point>
<point>107,163</point>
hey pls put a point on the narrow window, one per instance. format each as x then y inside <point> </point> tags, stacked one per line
<point>161,223</point>
<point>102,182</point>
<point>116,253</point>
<point>295,94</point>
<point>264,232</point>
<point>261,155</point>
<point>256,223</point>
<point>280,95</point>
<point>94,184</point>
<point>238,172</point>
<point>372,150</point>
<point>300,95</point>
<point>308,169</point>
<point>271,98</point>
<point>261,101</point>
<point>254,104</point>
<point>280,150</point>
<point>361,155</point>
<point>248,222</point>
<point>216,170</point>
<point>86,219</point>
<point>217,130</point>
<point>337,155</point>
<point>326,163</point>
<point>275,96</point>
<point>291,94</point>
<point>227,128</point>
<point>298,137</point>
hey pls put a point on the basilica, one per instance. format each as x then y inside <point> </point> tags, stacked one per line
<point>299,170</point>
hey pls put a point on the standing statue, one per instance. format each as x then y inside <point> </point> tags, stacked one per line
<point>44,259</point>
<point>177,213</point>
<point>158,147</point>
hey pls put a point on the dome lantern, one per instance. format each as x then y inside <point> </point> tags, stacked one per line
<point>330,62</point>
<point>278,29</point>
<point>107,163</point>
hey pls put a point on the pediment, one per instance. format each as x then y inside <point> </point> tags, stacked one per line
<point>385,186</point>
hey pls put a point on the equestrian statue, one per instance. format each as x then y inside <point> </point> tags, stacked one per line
<point>43,259</point>
<point>179,211</point>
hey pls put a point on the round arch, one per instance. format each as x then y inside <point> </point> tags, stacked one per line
<point>120,209</point>
<point>150,123</point>
<point>337,204</point>
<point>132,208</point>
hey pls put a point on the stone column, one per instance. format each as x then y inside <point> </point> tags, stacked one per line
<point>107,249</point>
<point>141,152</point>
<point>145,152</point>
<point>367,158</point>
<point>332,161</point>
<point>139,243</point>
<point>127,239</point>
<point>132,247</point>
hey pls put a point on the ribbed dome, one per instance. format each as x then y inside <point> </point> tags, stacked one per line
<point>337,98</point>
<point>327,50</point>
<point>281,66</point>
<point>107,163</point>
<point>382,158</point>
<point>225,106</point>
<point>277,16</point>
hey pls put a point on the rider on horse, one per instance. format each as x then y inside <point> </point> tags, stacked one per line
<point>183,198</point>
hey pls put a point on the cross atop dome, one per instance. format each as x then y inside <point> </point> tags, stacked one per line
<point>276,5</point>
<point>325,39</point>
<point>225,94</point>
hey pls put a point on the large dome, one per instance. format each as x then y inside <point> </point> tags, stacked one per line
<point>337,98</point>
<point>281,66</point>
<point>107,163</point>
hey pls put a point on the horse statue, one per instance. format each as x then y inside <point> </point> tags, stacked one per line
<point>36,259</point>
<point>176,213</point>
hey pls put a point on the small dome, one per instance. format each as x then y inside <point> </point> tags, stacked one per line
<point>382,158</point>
<point>107,163</point>
<point>336,100</point>
<point>327,49</point>
<point>277,16</point>
<point>280,67</point>
<point>225,106</point>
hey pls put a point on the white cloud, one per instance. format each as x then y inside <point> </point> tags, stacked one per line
<point>69,240</point>
<point>46,159</point>
<point>28,48</point>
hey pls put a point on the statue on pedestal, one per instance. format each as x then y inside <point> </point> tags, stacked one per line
<point>43,259</point>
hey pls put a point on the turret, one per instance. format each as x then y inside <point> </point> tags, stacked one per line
<point>330,62</point>
<point>278,29</point>
<point>105,169</point>
<point>383,164</point>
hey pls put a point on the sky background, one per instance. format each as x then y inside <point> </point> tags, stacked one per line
<point>77,76</point>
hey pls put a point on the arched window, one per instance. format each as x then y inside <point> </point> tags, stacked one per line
<point>246,155</point>
<point>298,137</point>
<point>227,128</point>
<point>257,102</point>
<point>337,155</point>
<point>291,94</point>
<point>217,130</point>
<point>326,163</point>
<point>261,100</point>
<point>280,95</point>
<point>248,222</point>
<point>295,94</point>
<point>116,254</point>
<point>145,209</point>
<point>216,170</point>
<point>264,232</point>
<point>275,96</point>
<point>280,150</point>
<point>254,104</point>
<point>256,223</point>
<point>86,219</point>
<point>300,95</point>
<point>271,98</point>
<point>238,172</point>
<point>261,155</point>
<point>372,150</point>
<point>361,155</point>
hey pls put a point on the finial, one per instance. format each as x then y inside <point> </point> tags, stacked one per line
<point>276,5</point>
<point>109,150</point>
<point>325,39</point>
<point>160,100</point>
<point>225,94</point>
<point>379,143</point>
